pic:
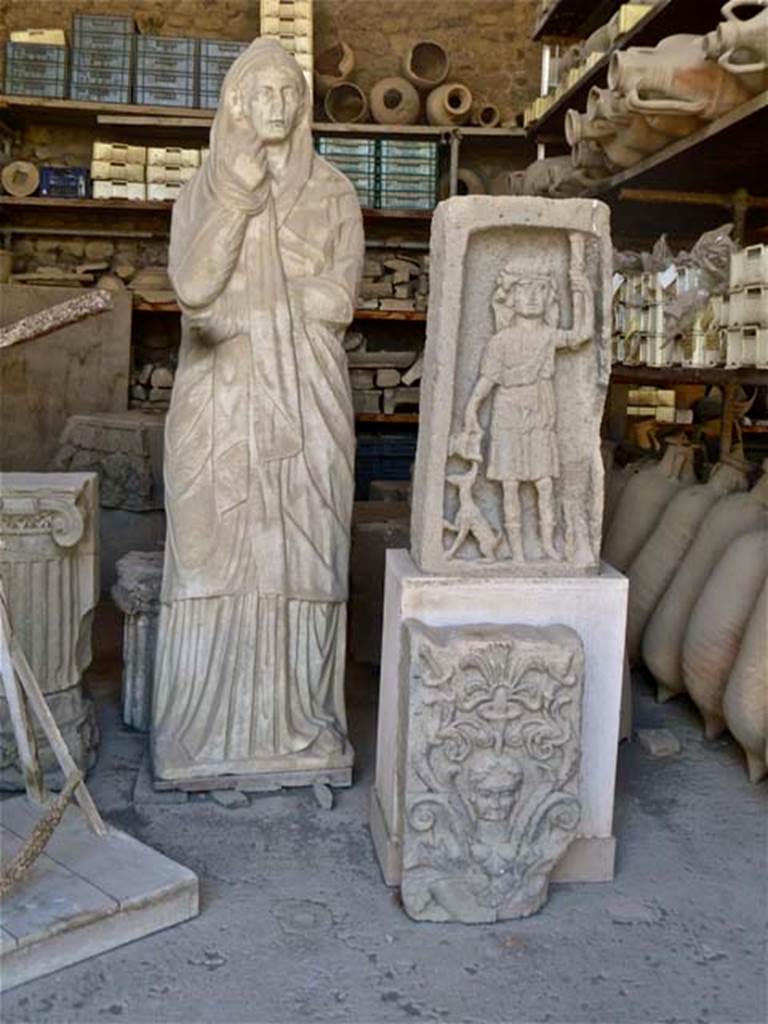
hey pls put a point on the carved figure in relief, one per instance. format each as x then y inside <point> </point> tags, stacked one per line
<point>492,790</point>
<point>517,369</point>
<point>265,258</point>
<point>470,521</point>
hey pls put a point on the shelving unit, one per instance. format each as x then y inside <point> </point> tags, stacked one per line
<point>665,19</point>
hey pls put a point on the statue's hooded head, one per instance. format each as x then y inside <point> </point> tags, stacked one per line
<point>266,88</point>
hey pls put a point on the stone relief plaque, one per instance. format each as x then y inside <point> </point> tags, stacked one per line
<point>508,475</point>
<point>492,780</point>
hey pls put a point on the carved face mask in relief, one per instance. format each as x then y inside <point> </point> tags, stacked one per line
<point>494,789</point>
<point>273,104</point>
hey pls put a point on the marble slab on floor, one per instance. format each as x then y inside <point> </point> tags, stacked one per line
<point>83,895</point>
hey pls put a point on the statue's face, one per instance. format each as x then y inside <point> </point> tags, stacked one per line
<point>273,104</point>
<point>530,296</point>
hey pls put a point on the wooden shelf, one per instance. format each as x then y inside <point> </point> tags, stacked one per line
<point>667,18</point>
<point>723,156</point>
<point>621,374</point>
<point>165,206</point>
<point>381,417</point>
<point>20,110</point>
<point>416,315</point>
<point>360,314</point>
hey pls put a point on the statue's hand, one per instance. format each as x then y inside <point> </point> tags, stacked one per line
<point>241,156</point>
<point>467,444</point>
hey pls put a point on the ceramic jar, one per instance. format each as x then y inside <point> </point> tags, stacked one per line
<point>425,65</point>
<point>740,46</point>
<point>675,77</point>
<point>333,66</point>
<point>642,502</point>
<point>486,115</point>
<point>745,702</point>
<point>394,101</point>
<point>345,103</point>
<point>449,104</point>
<point>656,563</point>
<point>717,624</point>
<point>662,642</point>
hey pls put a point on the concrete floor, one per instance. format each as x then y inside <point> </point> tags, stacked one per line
<point>296,924</point>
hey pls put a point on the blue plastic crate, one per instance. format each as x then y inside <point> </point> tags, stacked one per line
<point>180,94</point>
<point>34,70</point>
<point>226,50</point>
<point>103,85</point>
<point>65,182</point>
<point>166,46</point>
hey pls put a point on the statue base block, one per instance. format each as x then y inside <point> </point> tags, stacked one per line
<point>83,895</point>
<point>594,607</point>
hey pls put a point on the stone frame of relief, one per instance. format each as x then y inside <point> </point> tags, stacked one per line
<point>508,477</point>
<point>492,783</point>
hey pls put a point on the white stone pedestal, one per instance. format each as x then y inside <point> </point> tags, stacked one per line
<point>595,607</point>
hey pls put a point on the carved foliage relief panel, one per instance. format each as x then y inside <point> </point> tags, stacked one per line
<point>508,477</point>
<point>491,788</point>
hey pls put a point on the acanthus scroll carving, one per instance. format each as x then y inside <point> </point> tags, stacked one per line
<point>492,798</point>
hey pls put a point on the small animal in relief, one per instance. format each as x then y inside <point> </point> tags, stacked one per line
<point>470,521</point>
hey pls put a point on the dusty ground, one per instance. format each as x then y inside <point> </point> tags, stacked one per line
<point>296,924</point>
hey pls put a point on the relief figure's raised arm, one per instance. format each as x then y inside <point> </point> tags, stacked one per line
<point>583,298</point>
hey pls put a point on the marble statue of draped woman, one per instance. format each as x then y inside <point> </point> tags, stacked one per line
<point>265,257</point>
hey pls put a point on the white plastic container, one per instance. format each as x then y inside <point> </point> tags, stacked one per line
<point>164,191</point>
<point>749,266</point>
<point>119,152</point>
<point>748,307</point>
<point>157,174</point>
<point>173,156</point>
<point>747,346</point>
<point>119,190</point>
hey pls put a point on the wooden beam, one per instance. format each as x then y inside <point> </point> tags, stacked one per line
<point>652,195</point>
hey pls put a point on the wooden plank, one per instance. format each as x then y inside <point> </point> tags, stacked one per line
<point>688,375</point>
<point>47,722</point>
<point>382,417</point>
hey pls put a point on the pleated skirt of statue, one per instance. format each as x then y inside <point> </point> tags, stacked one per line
<point>247,684</point>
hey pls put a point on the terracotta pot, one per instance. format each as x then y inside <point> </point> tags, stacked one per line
<point>345,103</point>
<point>508,183</point>
<point>333,66</point>
<point>394,101</point>
<point>486,115</point>
<point>644,499</point>
<point>675,77</point>
<point>449,104</point>
<point>745,702</point>
<point>599,42</point>
<point>605,103</point>
<point>717,624</point>
<point>426,65</point>
<point>662,641</point>
<point>653,568</point>
<point>741,46</point>
<point>589,158</point>
<point>469,183</point>
<point>581,128</point>
<point>615,482</point>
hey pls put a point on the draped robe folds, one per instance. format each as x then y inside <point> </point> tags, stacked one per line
<point>259,476</point>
